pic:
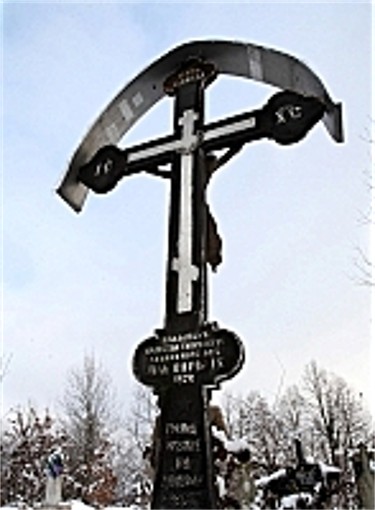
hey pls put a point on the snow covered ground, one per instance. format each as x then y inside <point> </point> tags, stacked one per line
<point>72,505</point>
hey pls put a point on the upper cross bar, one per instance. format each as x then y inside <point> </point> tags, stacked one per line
<point>286,118</point>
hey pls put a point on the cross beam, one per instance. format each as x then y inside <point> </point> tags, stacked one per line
<point>286,119</point>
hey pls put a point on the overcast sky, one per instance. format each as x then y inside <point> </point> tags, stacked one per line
<point>290,217</point>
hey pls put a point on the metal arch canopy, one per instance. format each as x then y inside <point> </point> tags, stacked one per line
<point>230,57</point>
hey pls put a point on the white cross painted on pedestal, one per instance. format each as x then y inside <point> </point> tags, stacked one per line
<point>183,264</point>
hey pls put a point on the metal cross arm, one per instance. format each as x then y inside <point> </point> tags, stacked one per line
<point>286,119</point>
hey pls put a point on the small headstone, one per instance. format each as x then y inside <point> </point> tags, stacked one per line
<point>54,471</point>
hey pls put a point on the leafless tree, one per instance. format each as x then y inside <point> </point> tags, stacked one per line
<point>364,268</point>
<point>366,219</point>
<point>254,420</point>
<point>233,408</point>
<point>141,415</point>
<point>4,366</point>
<point>133,457</point>
<point>337,413</point>
<point>88,419</point>
<point>290,411</point>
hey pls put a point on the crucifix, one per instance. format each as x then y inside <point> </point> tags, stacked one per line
<point>189,356</point>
